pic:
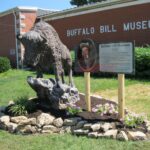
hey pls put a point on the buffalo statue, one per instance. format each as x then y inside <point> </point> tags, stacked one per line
<point>43,47</point>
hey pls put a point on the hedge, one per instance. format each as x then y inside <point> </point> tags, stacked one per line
<point>4,64</point>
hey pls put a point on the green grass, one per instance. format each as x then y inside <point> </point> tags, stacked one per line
<point>13,85</point>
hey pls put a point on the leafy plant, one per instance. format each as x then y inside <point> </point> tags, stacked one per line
<point>22,106</point>
<point>106,109</point>
<point>72,109</point>
<point>133,120</point>
<point>4,64</point>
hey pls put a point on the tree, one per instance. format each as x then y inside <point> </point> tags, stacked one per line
<point>83,2</point>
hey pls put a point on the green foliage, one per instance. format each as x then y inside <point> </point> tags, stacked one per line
<point>22,106</point>
<point>72,109</point>
<point>133,120</point>
<point>142,62</point>
<point>4,64</point>
<point>105,109</point>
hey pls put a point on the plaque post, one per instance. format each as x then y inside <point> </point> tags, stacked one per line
<point>121,96</point>
<point>87,90</point>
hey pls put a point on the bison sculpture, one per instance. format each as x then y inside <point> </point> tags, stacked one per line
<point>43,47</point>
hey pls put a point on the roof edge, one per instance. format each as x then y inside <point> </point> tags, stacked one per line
<point>18,8</point>
<point>85,8</point>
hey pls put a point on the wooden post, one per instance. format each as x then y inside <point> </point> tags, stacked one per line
<point>87,90</point>
<point>121,96</point>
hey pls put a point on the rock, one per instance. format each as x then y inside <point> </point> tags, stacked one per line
<point>47,131</point>
<point>105,127</point>
<point>11,127</point>
<point>71,121</point>
<point>136,135</point>
<point>87,126</point>
<point>44,119</point>
<point>148,129</point>
<point>81,132</point>
<point>11,103</point>
<point>4,119</point>
<point>29,121</point>
<point>51,128</point>
<point>2,108</point>
<point>80,124</point>
<point>55,96</point>
<point>27,129</point>
<point>112,125</point>
<point>95,127</point>
<point>66,129</point>
<point>111,133</point>
<point>93,134</point>
<point>100,135</point>
<point>58,122</point>
<point>122,136</point>
<point>18,119</point>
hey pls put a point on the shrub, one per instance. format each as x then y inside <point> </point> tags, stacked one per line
<point>133,120</point>
<point>22,106</point>
<point>72,109</point>
<point>142,62</point>
<point>4,64</point>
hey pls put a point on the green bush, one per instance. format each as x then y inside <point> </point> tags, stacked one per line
<point>22,106</point>
<point>142,62</point>
<point>4,64</point>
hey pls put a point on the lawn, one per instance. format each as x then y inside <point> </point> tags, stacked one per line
<point>13,85</point>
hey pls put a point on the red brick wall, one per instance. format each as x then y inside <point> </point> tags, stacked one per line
<point>7,36</point>
<point>114,17</point>
<point>29,20</point>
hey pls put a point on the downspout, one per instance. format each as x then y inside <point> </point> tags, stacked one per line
<point>17,62</point>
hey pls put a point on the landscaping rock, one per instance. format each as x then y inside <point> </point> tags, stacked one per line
<point>71,121</point>
<point>87,126</point>
<point>29,121</point>
<point>46,131</point>
<point>11,103</point>
<point>95,127</point>
<point>80,124</point>
<point>18,119</point>
<point>45,119</point>
<point>148,129</point>
<point>111,133</point>
<point>106,126</point>
<point>51,128</point>
<point>27,129</point>
<point>100,135</point>
<point>137,135</point>
<point>11,127</point>
<point>58,122</point>
<point>66,129</point>
<point>93,134</point>
<point>122,136</point>
<point>4,119</point>
<point>81,132</point>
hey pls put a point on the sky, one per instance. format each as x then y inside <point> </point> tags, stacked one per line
<point>48,4</point>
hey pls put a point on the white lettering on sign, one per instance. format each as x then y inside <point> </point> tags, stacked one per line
<point>139,25</point>
<point>80,31</point>
<point>128,26</point>
<point>107,29</point>
<point>116,57</point>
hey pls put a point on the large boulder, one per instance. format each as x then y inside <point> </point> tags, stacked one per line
<point>52,94</point>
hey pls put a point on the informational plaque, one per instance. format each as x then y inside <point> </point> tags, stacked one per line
<point>117,57</point>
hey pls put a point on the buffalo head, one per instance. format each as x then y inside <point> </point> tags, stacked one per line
<point>32,42</point>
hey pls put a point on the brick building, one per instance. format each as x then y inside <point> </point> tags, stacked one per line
<point>12,22</point>
<point>110,21</point>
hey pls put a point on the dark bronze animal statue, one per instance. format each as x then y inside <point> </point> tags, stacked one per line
<point>43,47</point>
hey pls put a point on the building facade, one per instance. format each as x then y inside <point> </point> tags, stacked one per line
<point>112,21</point>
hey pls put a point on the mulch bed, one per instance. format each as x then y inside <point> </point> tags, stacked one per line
<point>89,116</point>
